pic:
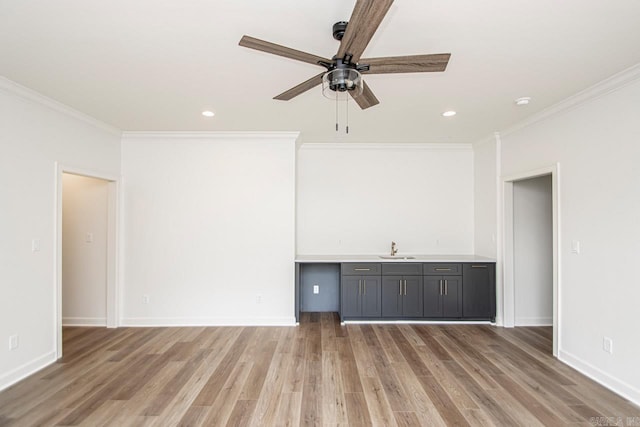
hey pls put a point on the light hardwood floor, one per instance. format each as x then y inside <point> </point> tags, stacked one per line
<point>320,373</point>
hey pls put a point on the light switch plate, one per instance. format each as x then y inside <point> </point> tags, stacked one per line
<point>316,289</point>
<point>13,342</point>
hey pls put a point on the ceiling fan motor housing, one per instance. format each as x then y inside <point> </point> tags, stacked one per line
<point>338,29</point>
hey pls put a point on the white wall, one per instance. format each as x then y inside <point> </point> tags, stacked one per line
<point>37,133</point>
<point>594,138</point>
<point>84,250</point>
<point>209,228</point>
<point>533,251</point>
<point>357,198</point>
<point>485,198</point>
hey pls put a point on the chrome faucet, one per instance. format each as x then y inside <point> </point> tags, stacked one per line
<point>394,250</point>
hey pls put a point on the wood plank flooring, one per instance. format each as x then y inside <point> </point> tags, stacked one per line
<point>319,373</point>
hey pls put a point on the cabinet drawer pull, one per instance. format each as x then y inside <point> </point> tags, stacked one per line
<point>441,293</point>
<point>399,287</point>
<point>362,269</point>
<point>478,266</point>
<point>442,269</point>
<point>364,287</point>
<point>405,287</point>
<point>446,287</point>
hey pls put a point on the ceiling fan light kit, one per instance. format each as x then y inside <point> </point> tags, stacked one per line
<point>344,71</point>
<point>338,81</point>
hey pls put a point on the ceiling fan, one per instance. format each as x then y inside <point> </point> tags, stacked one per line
<point>343,70</point>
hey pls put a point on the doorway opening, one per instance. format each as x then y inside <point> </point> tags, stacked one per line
<point>86,250</point>
<point>531,224</point>
<point>533,251</point>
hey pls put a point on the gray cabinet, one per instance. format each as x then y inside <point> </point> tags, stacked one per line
<point>479,291</point>
<point>418,291</point>
<point>442,296</point>
<point>402,290</point>
<point>442,293</point>
<point>360,291</point>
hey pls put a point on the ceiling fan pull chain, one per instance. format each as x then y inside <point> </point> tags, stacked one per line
<point>336,114</point>
<point>347,128</point>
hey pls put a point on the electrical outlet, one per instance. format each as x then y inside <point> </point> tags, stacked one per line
<point>575,246</point>
<point>145,299</point>
<point>88,238</point>
<point>13,342</point>
<point>258,299</point>
<point>316,289</point>
<point>35,245</point>
<point>607,345</point>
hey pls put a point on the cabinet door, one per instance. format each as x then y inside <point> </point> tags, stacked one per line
<point>479,291</point>
<point>350,301</point>
<point>432,299</point>
<point>412,296</point>
<point>452,298</point>
<point>392,291</point>
<point>371,296</point>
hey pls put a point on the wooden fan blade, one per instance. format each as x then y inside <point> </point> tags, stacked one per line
<point>302,87</point>
<point>365,19</point>
<point>407,64</point>
<point>367,98</point>
<point>276,49</point>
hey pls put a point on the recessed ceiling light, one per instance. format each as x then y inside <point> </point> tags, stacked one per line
<point>450,113</point>
<point>208,113</point>
<point>523,101</point>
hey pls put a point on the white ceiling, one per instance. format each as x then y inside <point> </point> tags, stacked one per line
<point>155,65</point>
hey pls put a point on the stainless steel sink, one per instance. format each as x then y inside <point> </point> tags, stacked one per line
<point>396,257</point>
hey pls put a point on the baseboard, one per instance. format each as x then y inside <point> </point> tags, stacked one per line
<point>84,321</point>
<point>417,322</point>
<point>534,321</point>
<point>614,384</point>
<point>30,368</point>
<point>213,321</point>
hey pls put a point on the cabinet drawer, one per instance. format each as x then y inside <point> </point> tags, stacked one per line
<point>442,269</point>
<point>361,269</point>
<point>480,265</point>
<point>405,269</point>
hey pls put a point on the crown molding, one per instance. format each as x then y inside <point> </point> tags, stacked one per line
<point>346,139</point>
<point>217,135</point>
<point>16,89</point>
<point>604,87</point>
<point>485,141</point>
<point>386,146</point>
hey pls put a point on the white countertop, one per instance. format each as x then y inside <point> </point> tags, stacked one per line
<point>399,258</point>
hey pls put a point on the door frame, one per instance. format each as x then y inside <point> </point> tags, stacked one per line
<point>113,248</point>
<point>508,277</point>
